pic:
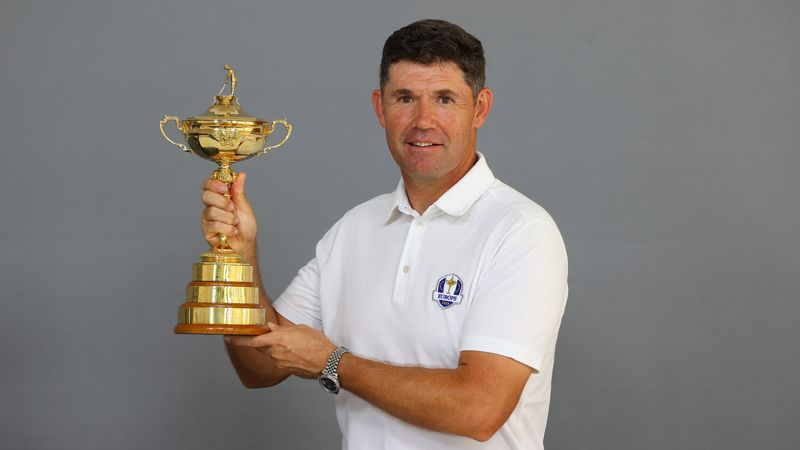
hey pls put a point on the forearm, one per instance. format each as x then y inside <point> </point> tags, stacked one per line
<point>255,368</point>
<point>250,256</point>
<point>460,401</point>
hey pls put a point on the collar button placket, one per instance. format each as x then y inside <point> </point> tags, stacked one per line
<point>410,250</point>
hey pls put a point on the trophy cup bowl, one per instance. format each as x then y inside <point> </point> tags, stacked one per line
<point>222,297</point>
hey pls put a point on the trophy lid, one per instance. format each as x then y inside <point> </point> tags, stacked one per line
<point>226,108</point>
<point>225,133</point>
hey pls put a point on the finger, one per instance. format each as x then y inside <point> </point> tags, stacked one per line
<point>273,326</point>
<point>238,193</point>
<point>211,228</point>
<point>239,341</point>
<point>257,342</point>
<point>214,186</point>
<point>210,198</point>
<point>237,187</point>
<point>214,214</point>
<point>268,340</point>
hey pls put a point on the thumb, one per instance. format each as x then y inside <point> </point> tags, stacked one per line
<point>238,193</point>
<point>273,326</point>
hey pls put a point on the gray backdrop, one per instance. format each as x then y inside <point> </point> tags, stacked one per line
<point>662,136</point>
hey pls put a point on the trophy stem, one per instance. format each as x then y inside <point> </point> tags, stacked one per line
<point>226,175</point>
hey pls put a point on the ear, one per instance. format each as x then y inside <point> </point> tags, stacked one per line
<point>377,105</point>
<point>483,106</point>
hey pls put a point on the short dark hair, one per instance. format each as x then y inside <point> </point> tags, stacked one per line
<point>436,41</point>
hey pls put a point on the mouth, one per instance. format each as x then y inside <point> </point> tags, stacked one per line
<point>423,144</point>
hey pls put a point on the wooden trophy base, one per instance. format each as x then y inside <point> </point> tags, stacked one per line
<point>244,330</point>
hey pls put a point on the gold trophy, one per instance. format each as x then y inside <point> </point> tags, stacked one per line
<point>222,297</point>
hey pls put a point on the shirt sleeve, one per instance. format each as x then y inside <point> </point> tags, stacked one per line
<point>519,301</point>
<point>300,302</point>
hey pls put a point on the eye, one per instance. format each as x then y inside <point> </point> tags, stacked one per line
<point>445,100</point>
<point>404,99</point>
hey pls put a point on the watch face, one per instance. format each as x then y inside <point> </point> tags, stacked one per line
<point>328,384</point>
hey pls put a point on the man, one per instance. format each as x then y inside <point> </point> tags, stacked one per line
<point>448,292</point>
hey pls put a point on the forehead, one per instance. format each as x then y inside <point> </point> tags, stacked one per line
<point>417,76</point>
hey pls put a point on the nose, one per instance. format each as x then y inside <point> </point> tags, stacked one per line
<point>425,118</point>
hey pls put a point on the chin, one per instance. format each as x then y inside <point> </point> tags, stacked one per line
<point>426,173</point>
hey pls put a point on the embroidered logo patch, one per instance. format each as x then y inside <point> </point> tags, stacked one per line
<point>448,291</point>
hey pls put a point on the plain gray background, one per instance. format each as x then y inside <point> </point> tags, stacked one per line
<point>662,135</point>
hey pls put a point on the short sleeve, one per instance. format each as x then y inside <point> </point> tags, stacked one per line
<point>300,302</point>
<point>519,300</point>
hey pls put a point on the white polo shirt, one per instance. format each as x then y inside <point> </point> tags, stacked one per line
<point>484,268</point>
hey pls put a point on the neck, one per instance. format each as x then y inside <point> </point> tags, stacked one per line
<point>423,193</point>
<point>422,197</point>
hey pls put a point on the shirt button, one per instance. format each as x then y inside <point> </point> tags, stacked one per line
<point>406,269</point>
<point>419,224</point>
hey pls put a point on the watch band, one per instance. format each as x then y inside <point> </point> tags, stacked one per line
<point>329,379</point>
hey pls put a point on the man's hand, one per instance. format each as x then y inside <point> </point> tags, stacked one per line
<point>297,349</point>
<point>232,216</point>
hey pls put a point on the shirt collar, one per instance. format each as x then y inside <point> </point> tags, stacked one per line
<point>401,205</point>
<point>458,199</point>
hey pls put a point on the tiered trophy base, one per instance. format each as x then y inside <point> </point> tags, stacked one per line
<point>222,297</point>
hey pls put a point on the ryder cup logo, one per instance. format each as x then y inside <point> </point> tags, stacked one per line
<point>448,291</point>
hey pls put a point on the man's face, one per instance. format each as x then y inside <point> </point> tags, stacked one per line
<point>431,120</point>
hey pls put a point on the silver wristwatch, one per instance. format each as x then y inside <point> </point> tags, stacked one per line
<point>329,380</point>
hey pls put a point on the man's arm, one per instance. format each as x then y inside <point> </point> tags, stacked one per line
<point>233,216</point>
<point>474,399</point>
<point>256,368</point>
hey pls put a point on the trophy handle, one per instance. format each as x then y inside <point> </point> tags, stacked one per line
<point>177,125</point>
<point>285,138</point>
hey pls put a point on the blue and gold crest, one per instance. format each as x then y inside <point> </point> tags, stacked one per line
<point>448,291</point>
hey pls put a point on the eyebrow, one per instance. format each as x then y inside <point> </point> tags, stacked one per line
<point>401,92</point>
<point>446,92</point>
<point>440,93</point>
